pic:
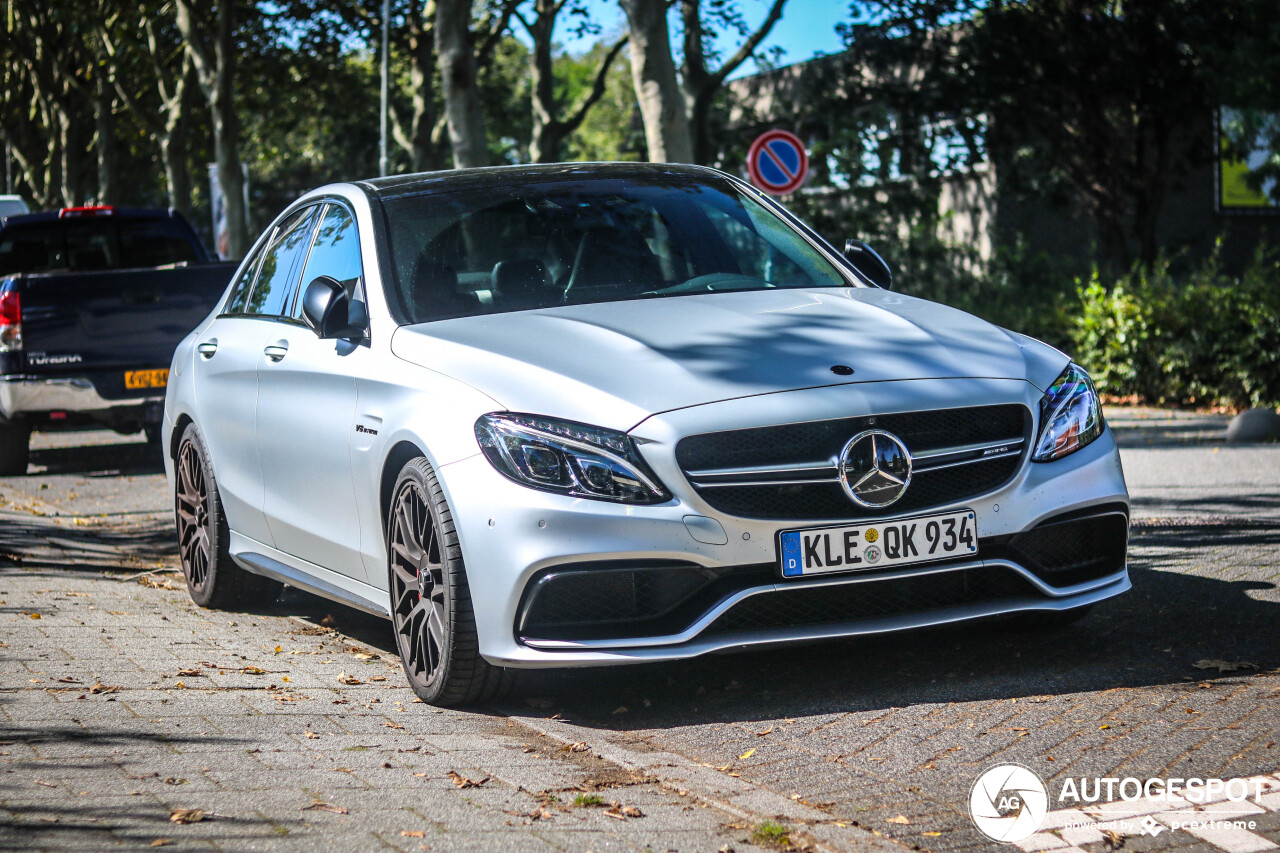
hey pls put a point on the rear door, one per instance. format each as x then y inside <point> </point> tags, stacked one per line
<point>306,415</point>
<point>226,374</point>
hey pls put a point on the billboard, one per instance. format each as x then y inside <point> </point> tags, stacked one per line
<point>1248,161</point>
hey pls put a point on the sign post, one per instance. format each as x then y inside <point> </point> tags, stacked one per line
<point>777,162</point>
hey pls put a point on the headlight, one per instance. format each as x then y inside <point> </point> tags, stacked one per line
<point>1070,415</point>
<point>568,458</point>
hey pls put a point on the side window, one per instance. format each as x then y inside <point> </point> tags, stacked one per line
<point>280,265</point>
<point>240,293</point>
<point>336,253</point>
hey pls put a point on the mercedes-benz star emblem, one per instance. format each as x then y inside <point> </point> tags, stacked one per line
<point>875,468</point>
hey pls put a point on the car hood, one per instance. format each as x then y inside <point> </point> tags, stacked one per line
<point>615,363</point>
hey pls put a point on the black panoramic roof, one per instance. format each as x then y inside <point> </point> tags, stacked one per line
<point>397,186</point>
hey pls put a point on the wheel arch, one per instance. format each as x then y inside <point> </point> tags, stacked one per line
<point>399,454</point>
<point>175,439</point>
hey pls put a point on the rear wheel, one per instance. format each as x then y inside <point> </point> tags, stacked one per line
<point>213,579</point>
<point>15,441</point>
<point>430,600</point>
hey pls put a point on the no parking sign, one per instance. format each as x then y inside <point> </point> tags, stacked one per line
<point>777,162</point>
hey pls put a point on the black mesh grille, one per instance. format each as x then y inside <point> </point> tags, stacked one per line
<point>823,440</point>
<point>1072,550</point>
<point>825,605</point>
<point>629,598</point>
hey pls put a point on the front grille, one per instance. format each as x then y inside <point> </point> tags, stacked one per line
<point>627,598</point>
<point>1069,549</point>
<point>815,606</point>
<point>814,447</point>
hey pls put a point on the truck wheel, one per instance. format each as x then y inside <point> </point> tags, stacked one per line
<point>431,613</point>
<point>213,578</point>
<point>15,441</point>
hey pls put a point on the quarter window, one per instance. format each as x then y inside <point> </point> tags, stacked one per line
<point>280,265</point>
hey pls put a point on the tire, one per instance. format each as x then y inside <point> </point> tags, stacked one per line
<point>15,444</point>
<point>213,578</point>
<point>431,611</point>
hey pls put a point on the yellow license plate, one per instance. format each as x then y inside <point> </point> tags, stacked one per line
<point>134,379</point>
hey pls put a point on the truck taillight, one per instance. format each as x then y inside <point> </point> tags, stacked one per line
<point>10,321</point>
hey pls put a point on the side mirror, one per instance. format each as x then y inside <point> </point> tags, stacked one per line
<point>329,312</point>
<point>868,262</point>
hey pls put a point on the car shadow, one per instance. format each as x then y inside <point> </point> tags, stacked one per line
<point>1153,635</point>
<point>130,458</point>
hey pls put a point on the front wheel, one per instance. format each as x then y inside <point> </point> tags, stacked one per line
<point>430,600</point>
<point>213,578</point>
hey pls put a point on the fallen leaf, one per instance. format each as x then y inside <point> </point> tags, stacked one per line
<point>463,782</point>
<point>46,784</point>
<point>162,842</point>
<point>99,687</point>
<point>253,670</point>
<point>576,747</point>
<point>66,679</point>
<point>765,732</point>
<point>190,673</point>
<point>173,780</point>
<point>35,615</point>
<point>1112,839</point>
<point>311,734</point>
<point>343,678</point>
<point>621,709</point>
<point>278,649</point>
<point>931,834</point>
<point>413,833</point>
<point>420,775</point>
<point>367,656</point>
<point>631,811</point>
<point>187,815</point>
<point>1224,665</point>
<point>899,819</point>
<point>324,807</point>
<point>392,725</point>
<point>747,754</point>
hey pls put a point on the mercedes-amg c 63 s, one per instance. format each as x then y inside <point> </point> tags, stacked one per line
<point>577,415</point>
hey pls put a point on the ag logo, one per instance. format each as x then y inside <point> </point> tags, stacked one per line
<point>1008,803</point>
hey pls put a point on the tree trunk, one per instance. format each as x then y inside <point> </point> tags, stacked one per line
<point>214,58</point>
<point>653,71</point>
<point>105,124</point>
<point>458,74</point>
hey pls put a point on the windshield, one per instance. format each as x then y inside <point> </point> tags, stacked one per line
<point>539,245</point>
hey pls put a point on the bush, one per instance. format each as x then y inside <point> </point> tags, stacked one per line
<point>1200,338</point>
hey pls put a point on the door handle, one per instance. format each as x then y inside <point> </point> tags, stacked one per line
<point>276,351</point>
<point>208,348</point>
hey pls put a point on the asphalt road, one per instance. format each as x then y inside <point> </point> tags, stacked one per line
<point>867,743</point>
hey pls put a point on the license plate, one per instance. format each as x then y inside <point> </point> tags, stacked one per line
<point>876,544</point>
<point>134,379</point>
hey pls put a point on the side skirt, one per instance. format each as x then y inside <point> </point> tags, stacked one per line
<point>253,556</point>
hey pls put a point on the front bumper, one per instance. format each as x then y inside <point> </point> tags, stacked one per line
<point>512,537</point>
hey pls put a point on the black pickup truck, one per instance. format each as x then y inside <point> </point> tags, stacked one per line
<point>93,301</point>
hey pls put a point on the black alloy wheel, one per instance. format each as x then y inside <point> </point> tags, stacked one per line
<point>430,600</point>
<point>213,578</point>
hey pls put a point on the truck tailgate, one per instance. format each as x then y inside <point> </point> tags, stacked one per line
<point>75,323</point>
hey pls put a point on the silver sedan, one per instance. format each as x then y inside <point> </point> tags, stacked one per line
<point>583,415</point>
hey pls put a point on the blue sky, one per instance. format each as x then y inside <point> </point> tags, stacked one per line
<point>807,27</point>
